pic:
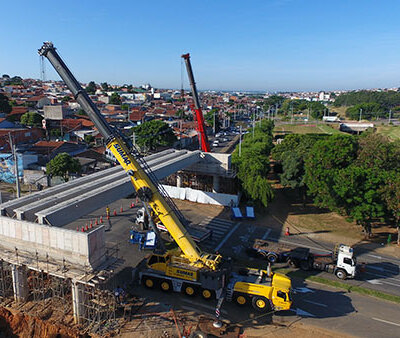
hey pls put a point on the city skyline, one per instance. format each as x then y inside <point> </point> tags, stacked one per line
<point>270,46</point>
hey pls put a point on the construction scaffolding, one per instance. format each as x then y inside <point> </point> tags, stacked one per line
<point>99,309</point>
<point>6,283</point>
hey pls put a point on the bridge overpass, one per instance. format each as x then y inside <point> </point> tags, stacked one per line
<point>67,202</point>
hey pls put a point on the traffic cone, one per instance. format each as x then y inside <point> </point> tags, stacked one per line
<point>132,205</point>
<point>121,210</point>
<point>101,219</point>
<point>87,227</point>
<point>83,229</point>
<point>287,233</point>
<point>95,222</point>
<point>115,212</point>
<point>91,226</point>
<point>91,223</point>
<point>77,228</point>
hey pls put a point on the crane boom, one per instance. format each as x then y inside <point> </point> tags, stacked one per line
<point>205,146</point>
<point>142,178</point>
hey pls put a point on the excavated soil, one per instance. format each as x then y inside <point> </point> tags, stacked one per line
<point>18,324</point>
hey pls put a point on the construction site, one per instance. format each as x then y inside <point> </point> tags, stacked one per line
<point>67,268</point>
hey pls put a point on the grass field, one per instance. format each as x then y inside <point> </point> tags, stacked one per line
<point>393,132</point>
<point>310,128</point>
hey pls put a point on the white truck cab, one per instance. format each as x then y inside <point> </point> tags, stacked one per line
<point>346,262</point>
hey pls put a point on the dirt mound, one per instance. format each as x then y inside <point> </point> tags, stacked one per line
<point>17,324</point>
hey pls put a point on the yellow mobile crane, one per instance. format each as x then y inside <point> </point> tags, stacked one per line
<point>186,268</point>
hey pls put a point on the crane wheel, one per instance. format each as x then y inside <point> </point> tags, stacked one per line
<point>261,304</point>
<point>206,294</point>
<point>189,290</point>
<point>241,300</point>
<point>149,283</point>
<point>165,286</point>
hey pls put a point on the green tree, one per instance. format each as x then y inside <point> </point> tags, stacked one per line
<point>31,119</point>
<point>326,157</point>
<point>91,88</point>
<point>66,98</point>
<point>357,192</point>
<point>253,163</point>
<point>115,99</point>
<point>5,106</point>
<point>391,195</point>
<point>63,165</point>
<point>125,106</point>
<point>104,86</point>
<point>367,110</point>
<point>88,138</point>
<point>317,110</point>
<point>152,134</point>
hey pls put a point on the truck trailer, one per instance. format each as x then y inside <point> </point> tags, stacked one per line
<point>341,261</point>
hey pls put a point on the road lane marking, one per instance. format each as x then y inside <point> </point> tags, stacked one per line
<point>379,257</point>
<point>383,276</point>
<point>266,235</point>
<point>315,303</point>
<point>385,321</point>
<point>227,237</point>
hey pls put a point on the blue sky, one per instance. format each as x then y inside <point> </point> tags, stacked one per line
<point>271,45</point>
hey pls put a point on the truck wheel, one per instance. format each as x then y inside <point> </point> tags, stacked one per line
<point>149,282</point>
<point>189,290</point>
<point>292,263</point>
<point>341,274</point>
<point>305,265</point>
<point>206,294</point>
<point>272,257</point>
<point>141,226</point>
<point>241,300</point>
<point>261,304</point>
<point>198,334</point>
<point>165,286</point>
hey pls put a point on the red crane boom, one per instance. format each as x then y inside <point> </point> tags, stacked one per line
<point>201,128</point>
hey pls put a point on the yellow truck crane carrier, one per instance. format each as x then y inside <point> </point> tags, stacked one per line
<point>187,268</point>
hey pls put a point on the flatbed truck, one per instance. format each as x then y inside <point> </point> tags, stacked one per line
<point>340,262</point>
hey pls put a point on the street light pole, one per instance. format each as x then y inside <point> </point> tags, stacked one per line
<point>240,140</point>
<point>12,146</point>
<point>360,114</point>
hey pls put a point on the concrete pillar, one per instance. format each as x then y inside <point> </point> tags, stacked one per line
<point>179,181</point>
<point>215,183</point>
<point>78,301</point>
<point>20,283</point>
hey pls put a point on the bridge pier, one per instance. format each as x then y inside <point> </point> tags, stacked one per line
<point>179,181</point>
<point>20,282</point>
<point>77,301</point>
<point>216,180</point>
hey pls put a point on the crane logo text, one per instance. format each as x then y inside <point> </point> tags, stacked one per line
<point>123,154</point>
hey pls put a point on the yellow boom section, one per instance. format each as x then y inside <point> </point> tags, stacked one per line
<point>139,180</point>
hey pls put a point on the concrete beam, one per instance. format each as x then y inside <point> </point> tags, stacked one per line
<point>20,283</point>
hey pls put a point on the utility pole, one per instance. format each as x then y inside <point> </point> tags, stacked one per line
<point>360,114</point>
<point>214,122</point>
<point>390,115</point>
<point>12,146</point>
<point>254,122</point>
<point>240,140</point>
<point>291,106</point>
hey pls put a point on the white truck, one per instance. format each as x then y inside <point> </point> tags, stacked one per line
<point>341,261</point>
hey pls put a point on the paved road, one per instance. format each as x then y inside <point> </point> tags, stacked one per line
<point>314,304</point>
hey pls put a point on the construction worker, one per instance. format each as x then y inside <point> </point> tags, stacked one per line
<point>108,212</point>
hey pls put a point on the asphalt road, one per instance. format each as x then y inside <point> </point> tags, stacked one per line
<point>313,303</point>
